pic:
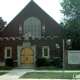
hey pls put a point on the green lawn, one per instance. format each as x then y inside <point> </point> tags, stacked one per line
<point>1,73</point>
<point>46,75</point>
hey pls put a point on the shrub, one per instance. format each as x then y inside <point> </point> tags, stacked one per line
<point>56,61</point>
<point>41,61</point>
<point>48,68</point>
<point>49,63</point>
<point>5,68</point>
<point>9,62</point>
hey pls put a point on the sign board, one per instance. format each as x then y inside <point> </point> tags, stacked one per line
<point>73,57</point>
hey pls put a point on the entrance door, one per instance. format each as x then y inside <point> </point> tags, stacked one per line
<point>27,57</point>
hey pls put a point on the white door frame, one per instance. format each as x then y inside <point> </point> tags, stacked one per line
<point>19,49</point>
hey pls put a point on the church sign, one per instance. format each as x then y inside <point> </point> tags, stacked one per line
<point>73,57</point>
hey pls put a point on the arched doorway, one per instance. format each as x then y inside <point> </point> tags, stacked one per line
<point>27,57</point>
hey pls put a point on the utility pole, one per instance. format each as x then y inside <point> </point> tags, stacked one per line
<point>63,59</point>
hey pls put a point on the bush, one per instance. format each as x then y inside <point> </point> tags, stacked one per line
<point>5,68</point>
<point>9,62</point>
<point>49,63</point>
<point>48,68</point>
<point>56,61</point>
<point>41,61</point>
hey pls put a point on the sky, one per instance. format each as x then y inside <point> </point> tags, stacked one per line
<point>10,8</point>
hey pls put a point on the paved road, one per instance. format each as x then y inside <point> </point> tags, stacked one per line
<point>16,73</point>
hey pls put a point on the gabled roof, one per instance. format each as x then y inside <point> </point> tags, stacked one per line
<point>32,9</point>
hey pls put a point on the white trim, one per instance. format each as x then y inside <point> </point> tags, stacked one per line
<point>1,39</point>
<point>42,36</point>
<point>11,38</point>
<point>5,50</point>
<point>45,38</point>
<point>48,36</point>
<point>52,38</point>
<point>18,38</point>
<point>5,38</point>
<point>47,47</point>
<point>55,36</point>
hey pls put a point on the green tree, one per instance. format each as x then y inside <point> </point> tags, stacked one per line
<point>70,9</point>
<point>71,20</point>
<point>2,23</point>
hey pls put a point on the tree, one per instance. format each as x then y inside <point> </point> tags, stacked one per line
<point>71,20</point>
<point>70,9</point>
<point>2,23</point>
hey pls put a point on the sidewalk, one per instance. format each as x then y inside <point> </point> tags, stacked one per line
<point>16,73</point>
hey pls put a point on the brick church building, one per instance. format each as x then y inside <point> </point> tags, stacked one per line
<point>31,34</point>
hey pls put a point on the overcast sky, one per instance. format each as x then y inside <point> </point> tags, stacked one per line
<point>10,8</point>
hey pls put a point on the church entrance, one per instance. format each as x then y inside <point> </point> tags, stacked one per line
<point>27,57</point>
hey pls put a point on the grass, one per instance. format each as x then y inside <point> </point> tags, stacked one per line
<point>1,73</point>
<point>53,68</point>
<point>49,75</point>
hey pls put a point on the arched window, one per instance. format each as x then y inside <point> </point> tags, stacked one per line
<point>20,29</point>
<point>43,28</point>
<point>33,26</point>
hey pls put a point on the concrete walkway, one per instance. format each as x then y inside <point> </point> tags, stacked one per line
<point>16,73</point>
